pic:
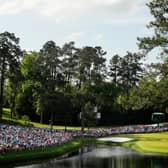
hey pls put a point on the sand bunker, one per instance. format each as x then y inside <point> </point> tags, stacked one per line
<point>115,139</point>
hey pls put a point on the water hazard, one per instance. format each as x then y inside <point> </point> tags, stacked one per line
<point>104,157</point>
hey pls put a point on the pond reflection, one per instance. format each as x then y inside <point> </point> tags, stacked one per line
<point>106,157</point>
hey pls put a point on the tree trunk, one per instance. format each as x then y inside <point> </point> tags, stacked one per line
<point>1,86</point>
<point>41,117</point>
<point>52,120</point>
<point>13,103</point>
<point>82,122</point>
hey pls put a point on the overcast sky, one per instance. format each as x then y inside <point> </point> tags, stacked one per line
<point>112,24</point>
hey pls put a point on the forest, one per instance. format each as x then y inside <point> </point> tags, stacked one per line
<point>55,84</point>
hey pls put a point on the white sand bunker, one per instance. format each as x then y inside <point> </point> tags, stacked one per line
<point>115,139</point>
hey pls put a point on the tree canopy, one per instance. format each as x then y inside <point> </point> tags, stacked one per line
<point>56,83</point>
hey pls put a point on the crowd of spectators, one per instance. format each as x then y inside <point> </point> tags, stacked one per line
<point>21,138</point>
<point>126,130</point>
<point>16,138</point>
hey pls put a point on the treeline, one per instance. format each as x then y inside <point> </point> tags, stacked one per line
<point>56,83</point>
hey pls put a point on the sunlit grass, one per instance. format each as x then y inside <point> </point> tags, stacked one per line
<point>149,143</point>
<point>6,117</point>
<point>6,113</point>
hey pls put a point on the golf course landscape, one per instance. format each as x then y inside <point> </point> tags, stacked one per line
<point>148,143</point>
<point>84,84</point>
<point>156,143</point>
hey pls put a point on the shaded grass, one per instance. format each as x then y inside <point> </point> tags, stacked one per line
<point>6,118</point>
<point>148,143</point>
<point>43,153</point>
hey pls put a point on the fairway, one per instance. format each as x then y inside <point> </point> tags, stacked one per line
<point>149,143</point>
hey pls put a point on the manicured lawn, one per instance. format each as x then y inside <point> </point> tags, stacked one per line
<point>42,153</point>
<point>6,118</point>
<point>148,143</point>
<point>47,152</point>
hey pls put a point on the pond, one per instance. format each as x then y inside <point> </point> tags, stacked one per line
<point>103,157</point>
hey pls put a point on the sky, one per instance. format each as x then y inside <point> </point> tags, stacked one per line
<point>112,24</point>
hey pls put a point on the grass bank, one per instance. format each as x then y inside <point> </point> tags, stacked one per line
<point>47,152</point>
<point>7,119</point>
<point>148,143</point>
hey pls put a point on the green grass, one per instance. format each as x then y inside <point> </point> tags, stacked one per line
<point>33,155</point>
<point>148,143</point>
<point>47,152</point>
<point>6,118</point>
<point>6,113</point>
